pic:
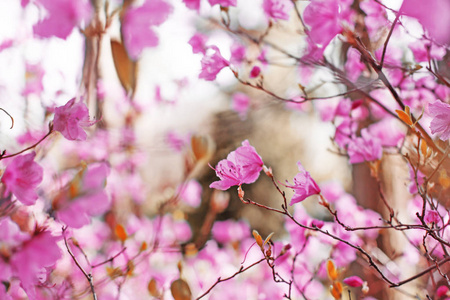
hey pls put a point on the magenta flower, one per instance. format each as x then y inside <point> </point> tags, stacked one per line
<point>212,64</point>
<point>241,166</point>
<point>21,178</point>
<point>440,124</point>
<point>137,23</point>
<point>70,118</point>
<point>353,281</point>
<point>198,43</point>
<point>303,186</point>
<point>224,3</point>
<point>364,148</point>
<point>62,17</point>
<point>33,256</point>
<point>190,193</point>
<point>240,104</point>
<point>277,9</point>
<point>426,12</point>
<point>84,197</point>
<point>192,4</point>
<point>325,18</point>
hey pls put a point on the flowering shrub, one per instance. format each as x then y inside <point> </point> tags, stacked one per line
<point>89,216</point>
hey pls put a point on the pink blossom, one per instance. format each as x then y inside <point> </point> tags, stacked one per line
<point>192,4</point>
<point>198,43</point>
<point>212,64</point>
<point>137,25</point>
<point>191,193</point>
<point>354,66</point>
<point>353,281</point>
<point>325,18</point>
<point>177,141</point>
<point>229,231</point>
<point>255,71</point>
<point>425,50</point>
<point>34,75</point>
<point>426,12</point>
<point>344,132</point>
<point>303,186</point>
<point>84,197</point>
<point>440,112</point>
<point>33,256</point>
<point>224,3</point>
<point>70,118</point>
<point>432,216</point>
<point>62,17</point>
<point>388,132</point>
<point>240,104</point>
<point>241,166</point>
<point>237,53</point>
<point>7,43</point>
<point>364,148</point>
<point>277,9</point>
<point>21,178</point>
<point>442,291</point>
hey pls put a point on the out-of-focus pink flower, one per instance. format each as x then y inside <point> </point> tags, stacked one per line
<point>303,186</point>
<point>70,118</point>
<point>440,112</point>
<point>34,75</point>
<point>354,66</point>
<point>442,291</point>
<point>426,12</point>
<point>33,256</point>
<point>62,17</point>
<point>7,43</point>
<point>344,132</point>
<point>432,216</point>
<point>353,281</point>
<point>237,53</point>
<point>224,3</point>
<point>241,166</point>
<point>325,18</point>
<point>137,23</point>
<point>364,148</point>
<point>256,70</point>
<point>229,231</point>
<point>84,197</point>
<point>191,193</point>
<point>192,4</point>
<point>177,141</point>
<point>21,178</point>
<point>198,43</point>
<point>424,50</point>
<point>212,64</point>
<point>240,104</point>
<point>388,132</point>
<point>277,9</point>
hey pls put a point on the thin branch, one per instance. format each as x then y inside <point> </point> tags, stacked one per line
<point>12,119</point>
<point>29,148</point>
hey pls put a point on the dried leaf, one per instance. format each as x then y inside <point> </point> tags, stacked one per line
<point>126,68</point>
<point>153,288</point>
<point>202,147</point>
<point>331,270</point>
<point>180,290</point>
<point>258,238</point>
<point>405,116</point>
<point>120,233</point>
<point>268,238</point>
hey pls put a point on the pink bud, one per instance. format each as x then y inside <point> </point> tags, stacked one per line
<point>353,281</point>
<point>442,291</point>
<point>255,72</point>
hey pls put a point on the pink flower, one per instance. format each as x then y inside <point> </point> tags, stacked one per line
<point>364,148</point>
<point>192,4</point>
<point>440,112</point>
<point>191,193</point>
<point>277,9</point>
<point>240,104</point>
<point>426,12</point>
<point>84,197</point>
<point>353,281</point>
<point>354,66</point>
<point>62,17</point>
<point>229,231</point>
<point>212,64</point>
<point>325,18</point>
<point>198,43</point>
<point>137,23</point>
<point>442,291</point>
<point>33,256</point>
<point>255,72</point>
<point>241,166</point>
<point>432,216</point>
<point>34,75</point>
<point>70,118</point>
<point>21,178</point>
<point>303,186</point>
<point>224,3</point>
